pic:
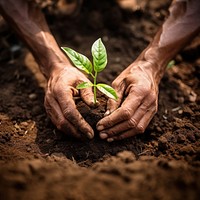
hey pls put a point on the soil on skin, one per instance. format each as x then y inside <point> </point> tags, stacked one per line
<point>39,162</point>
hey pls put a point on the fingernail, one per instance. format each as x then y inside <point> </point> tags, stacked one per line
<point>110,140</point>
<point>90,135</point>
<point>100,127</point>
<point>103,135</point>
<point>107,113</point>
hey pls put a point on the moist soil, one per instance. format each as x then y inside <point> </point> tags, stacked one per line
<point>39,162</point>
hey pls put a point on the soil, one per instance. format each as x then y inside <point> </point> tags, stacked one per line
<point>39,162</point>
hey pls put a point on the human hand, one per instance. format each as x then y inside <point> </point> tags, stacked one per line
<point>59,103</point>
<point>137,89</point>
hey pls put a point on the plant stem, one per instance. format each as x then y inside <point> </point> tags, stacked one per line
<point>95,88</point>
<point>92,75</point>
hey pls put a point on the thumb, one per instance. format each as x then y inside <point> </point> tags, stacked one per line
<point>87,96</point>
<point>112,104</point>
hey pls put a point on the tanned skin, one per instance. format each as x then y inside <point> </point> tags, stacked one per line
<point>138,82</point>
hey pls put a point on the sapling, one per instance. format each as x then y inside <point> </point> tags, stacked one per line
<point>99,55</point>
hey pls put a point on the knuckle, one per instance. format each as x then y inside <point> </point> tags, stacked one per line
<point>48,92</point>
<point>86,91</point>
<point>119,137</point>
<point>57,91</point>
<point>114,84</point>
<point>141,90</point>
<point>156,109</point>
<point>118,83</point>
<point>48,110</point>
<point>127,114</point>
<point>129,79</point>
<point>47,106</point>
<point>46,102</point>
<point>47,98</point>
<point>131,123</point>
<point>111,133</point>
<point>108,122</point>
<point>145,89</point>
<point>66,112</point>
<point>153,97</point>
<point>60,124</point>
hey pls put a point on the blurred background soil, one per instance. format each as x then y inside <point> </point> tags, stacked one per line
<point>39,162</point>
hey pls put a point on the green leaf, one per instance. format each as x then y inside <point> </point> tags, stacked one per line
<point>79,60</point>
<point>84,85</point>
<point>107,90</point>
<point>170,64</point>
<point>99,55</point>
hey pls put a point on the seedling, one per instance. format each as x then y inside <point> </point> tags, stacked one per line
<point>99,55</point>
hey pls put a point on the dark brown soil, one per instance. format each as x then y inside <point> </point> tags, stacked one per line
<point>39,162</point>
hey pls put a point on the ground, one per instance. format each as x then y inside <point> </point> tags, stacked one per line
<point>39,162</point>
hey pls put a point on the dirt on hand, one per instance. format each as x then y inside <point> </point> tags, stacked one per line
<point>39,162</point>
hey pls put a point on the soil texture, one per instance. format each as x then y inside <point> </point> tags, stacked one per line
<point>39,162</point>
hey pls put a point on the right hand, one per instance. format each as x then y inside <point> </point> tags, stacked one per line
<point>137,89</point>
<point>59,102</point>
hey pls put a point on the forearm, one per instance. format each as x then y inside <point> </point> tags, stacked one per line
<point>179,29</point>
<point>28,21</point>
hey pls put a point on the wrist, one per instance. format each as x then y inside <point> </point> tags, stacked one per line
<point>156,60</point>
<point>52,60</point>
<point>55,67</point>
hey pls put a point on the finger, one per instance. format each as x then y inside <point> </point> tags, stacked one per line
<point>146,111</point>
<point>70,112</point>
<point>54,112</point>
<point>113,104</point>
<point>127,134</point>
<point>125,112</point>
<point>87,96</point>
<point>145,120</point>
<point>140,128</point>
<point>149,104</point>
<point>131,123</point>
<point>118,128</point>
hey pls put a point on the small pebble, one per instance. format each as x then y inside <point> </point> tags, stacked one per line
<point>32,96</point>
<point>24,124</point>
<point>28,149</point>
<point>158,129</point>
<point>180,112</point>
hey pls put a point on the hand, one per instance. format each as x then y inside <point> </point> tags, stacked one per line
<point>59,102</point>
<point>137,90</point>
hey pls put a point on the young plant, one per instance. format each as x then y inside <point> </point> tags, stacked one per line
<point>99,55</point>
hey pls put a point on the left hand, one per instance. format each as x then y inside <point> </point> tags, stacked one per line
<point>137,89</point>
<point>59,100</point>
